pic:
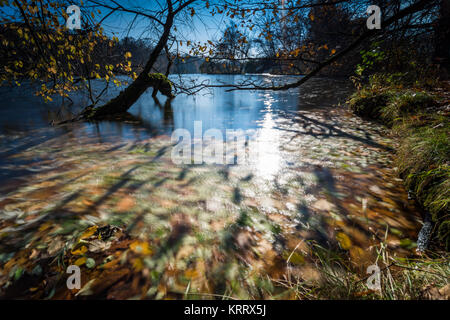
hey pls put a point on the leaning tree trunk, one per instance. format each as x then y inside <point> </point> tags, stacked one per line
<point>145,80</point>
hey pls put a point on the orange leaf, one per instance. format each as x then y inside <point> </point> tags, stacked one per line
<point>80,251</point>
<point>140,247</point>
<point>125,204</point>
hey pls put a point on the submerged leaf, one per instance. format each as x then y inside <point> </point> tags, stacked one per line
<point>344,240</point>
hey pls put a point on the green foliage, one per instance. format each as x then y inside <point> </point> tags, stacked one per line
<point>371,58</point>
<point>399,278</point>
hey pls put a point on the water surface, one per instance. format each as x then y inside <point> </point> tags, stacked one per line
<point>322,179</point>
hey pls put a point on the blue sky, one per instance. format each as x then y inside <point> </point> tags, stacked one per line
<point>200,28</point>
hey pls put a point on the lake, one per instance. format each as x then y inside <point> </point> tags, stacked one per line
<point>323,181</point>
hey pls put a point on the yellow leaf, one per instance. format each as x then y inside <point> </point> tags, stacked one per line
<point>344,240</point>
<point>140,247</point>
<point>45,226</point>
<point>311,17</point>
<point>191,273</point>
<point>89,232</point>
<point>80,251</point>
<point>80,261</point>
<point>138,264</point>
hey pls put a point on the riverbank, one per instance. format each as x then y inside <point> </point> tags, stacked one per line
<point>419,121</point>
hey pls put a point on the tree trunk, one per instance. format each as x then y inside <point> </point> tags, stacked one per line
<point>145,80</point>
<point>129,96</point>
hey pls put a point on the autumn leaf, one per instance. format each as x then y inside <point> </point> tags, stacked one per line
<point>344,240</point>
<point>125,204</point>
<point>138,265</point>
<point>191,273</point>
<point>89,232</point>
<point>78,252</point>
<point>140,247</point>
<point>90,263</point>
<point>80,261</point>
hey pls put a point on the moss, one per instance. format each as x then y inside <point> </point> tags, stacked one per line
<point>160,77</point>
<point>163,84</point>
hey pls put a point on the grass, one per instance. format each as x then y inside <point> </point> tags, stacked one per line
<point>400,278</point>
<point>424,145</point>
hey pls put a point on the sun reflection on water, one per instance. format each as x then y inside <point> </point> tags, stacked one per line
<point>267,162</point>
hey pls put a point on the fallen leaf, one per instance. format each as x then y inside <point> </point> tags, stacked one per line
<point>125,204</point>
<point>344,240</point>
<point>80,261</point>
<point>90,263</point>
<point>80,251</point>
<point>89,232</point>
<point>140,247</point>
